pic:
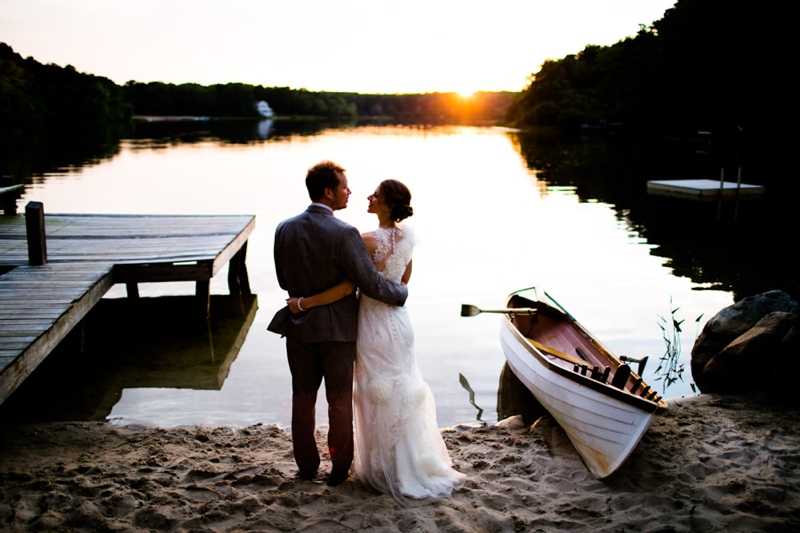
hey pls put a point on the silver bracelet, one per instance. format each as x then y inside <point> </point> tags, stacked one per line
<point>298,304</point>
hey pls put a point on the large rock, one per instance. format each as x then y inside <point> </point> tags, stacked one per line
<point>752,360</point>
<point>727,326</point>
<point>789,348</point>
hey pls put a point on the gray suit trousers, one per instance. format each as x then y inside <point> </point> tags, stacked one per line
<point>310,362</point>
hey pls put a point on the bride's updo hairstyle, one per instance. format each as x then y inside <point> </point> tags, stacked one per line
<point>398,197</point>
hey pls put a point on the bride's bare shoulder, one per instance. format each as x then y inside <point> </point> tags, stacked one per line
<point>369,241</point>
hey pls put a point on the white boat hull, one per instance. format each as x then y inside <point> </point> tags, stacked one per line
<point>603,429</point>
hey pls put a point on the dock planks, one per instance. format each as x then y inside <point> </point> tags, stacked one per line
<point>704,189</point>
<point>130,239</point>
<point>40,306</point>
<point>86,256</point>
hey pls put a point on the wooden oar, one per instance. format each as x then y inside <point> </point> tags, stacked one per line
<point>472,310</point>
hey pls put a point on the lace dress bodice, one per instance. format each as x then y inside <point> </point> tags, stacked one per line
<point>393,252</point>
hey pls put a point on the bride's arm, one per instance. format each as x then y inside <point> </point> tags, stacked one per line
<point>370,242</point>
<point>335,293</point>
<point>406,274</point>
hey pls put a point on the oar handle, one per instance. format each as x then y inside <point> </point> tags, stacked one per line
<point>515,311</point>
<point>474,310</point>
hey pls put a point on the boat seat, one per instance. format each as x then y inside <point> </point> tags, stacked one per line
<point>595,374</point>
<point>621,377</point>
<point>580,369</point>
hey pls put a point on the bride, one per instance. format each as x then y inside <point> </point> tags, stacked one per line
<point>398,447</point>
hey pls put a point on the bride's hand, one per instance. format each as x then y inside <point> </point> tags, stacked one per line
<point>293,305</point>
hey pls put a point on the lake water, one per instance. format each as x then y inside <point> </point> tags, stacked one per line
<point>495,211</point>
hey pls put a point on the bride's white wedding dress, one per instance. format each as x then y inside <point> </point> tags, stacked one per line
<point>398,447</point>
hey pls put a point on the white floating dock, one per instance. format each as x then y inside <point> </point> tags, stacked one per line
<point>704,189</point>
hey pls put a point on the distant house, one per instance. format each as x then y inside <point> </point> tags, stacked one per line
<point>264,109</point>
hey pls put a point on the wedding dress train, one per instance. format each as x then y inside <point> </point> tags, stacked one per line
<point>398,447</point>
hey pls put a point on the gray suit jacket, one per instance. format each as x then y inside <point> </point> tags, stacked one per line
<point>313,252</point>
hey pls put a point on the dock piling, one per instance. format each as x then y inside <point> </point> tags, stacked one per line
<point>132,289</point>
<point>203,293</point>
<point>37,243</point>
<point>238,280</point>
<point>738,190</point>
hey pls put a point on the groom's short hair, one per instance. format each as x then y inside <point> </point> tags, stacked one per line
<point>323,175</point>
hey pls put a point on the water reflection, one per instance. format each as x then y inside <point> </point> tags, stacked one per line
<point>57,149</point>
<point>263,128</point>
<point>721,246</point>
<point>495,211</point>
<point>245,132</point>
<point>149,343</point>
<point>465,383</point>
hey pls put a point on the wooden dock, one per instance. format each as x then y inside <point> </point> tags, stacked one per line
<point>85,256</point>
<point>39,306</point>
<point>704,189</point>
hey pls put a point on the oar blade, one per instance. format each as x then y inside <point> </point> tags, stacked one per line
<point>469,310</point>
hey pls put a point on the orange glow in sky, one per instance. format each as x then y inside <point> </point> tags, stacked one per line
<point>353,45</point>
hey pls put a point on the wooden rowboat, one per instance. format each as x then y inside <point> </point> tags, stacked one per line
<point>601,404</point>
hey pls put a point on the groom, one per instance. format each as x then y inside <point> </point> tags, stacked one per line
<point>313,252</point>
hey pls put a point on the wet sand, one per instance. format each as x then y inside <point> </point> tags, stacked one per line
<point>712,463</point>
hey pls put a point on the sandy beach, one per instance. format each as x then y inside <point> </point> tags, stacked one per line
<point>712,463</point>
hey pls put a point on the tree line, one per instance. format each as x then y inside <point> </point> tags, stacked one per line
<point>700,67</point>
<point>238,100</point>
<point>705,65</point>
<point>31,92</point>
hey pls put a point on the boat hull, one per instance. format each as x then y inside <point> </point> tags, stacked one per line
<point>603,422</point>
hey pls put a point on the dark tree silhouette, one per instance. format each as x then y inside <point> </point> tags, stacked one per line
<point>700,67</point>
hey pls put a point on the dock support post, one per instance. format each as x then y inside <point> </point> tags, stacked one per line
<point>738,190</point>
<point>238,281</point>
<point>9,205</point>
<point>34,224</point>
<point>721,192</point>
<point>203,292</point>
<point>132,289</point>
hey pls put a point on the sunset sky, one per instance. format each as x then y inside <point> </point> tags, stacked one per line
<point>354,46</point>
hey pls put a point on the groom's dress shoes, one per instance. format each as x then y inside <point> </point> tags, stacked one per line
<point>337,478</point>
<point>305,474</point>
